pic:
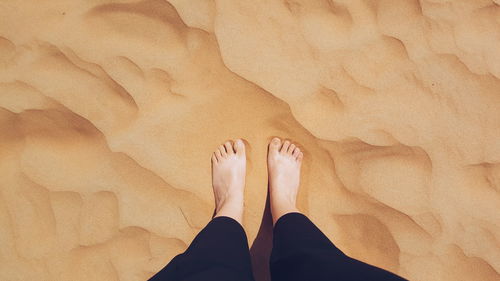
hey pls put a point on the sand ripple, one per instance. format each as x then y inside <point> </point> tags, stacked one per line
<point>109,112</point>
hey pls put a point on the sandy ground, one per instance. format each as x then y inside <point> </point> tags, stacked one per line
<point>109,112</point>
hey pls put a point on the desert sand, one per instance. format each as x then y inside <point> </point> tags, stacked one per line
<point>109,113</point>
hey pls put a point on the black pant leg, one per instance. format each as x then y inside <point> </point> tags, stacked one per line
<point>218,252</point>
<point>301,252</point>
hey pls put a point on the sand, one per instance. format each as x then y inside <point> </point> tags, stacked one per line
<point>109,112</point>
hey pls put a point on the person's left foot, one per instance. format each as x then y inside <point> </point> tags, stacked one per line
<point>228,179</point>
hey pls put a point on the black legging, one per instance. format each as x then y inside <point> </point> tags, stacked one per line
<point>300,252</point>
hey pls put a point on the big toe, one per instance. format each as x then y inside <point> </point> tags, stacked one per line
<point>275,144</point>
<point>239,147</point>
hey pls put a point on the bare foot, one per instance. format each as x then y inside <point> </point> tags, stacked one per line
<point>284,160</point>
<point>228,179</point>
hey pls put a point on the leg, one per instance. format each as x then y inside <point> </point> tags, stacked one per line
<point>220,250</point>
<point>300,250</point>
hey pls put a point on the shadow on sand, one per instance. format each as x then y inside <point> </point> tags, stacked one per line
<point>260,251</point>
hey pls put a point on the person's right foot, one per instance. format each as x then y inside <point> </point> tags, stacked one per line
<point>228,179</point>
<point>284,160</point>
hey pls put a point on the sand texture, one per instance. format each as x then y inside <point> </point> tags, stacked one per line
<point>109,112</point>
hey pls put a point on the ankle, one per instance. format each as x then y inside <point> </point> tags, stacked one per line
<point>231,213</point>
<point>282,205</point>
<point>278,211</point>
<point>232,207</point>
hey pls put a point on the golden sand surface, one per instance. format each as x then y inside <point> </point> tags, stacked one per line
<point>110,110</point>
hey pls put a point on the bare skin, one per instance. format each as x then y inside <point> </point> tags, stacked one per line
<point>284,160</point>
<point>228,179</point>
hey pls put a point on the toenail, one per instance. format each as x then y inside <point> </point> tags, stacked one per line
<point>276,140</point>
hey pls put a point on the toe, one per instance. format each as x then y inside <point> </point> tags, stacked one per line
<point>229,148</point>
<point>291,148</point>
<point>218,155</point>
<point>222,150</point>
<point>285,146</point>
<point>299,158</point>
<point>275,144</point>
<point>296,152</point>
<point>214,158</point>
<point>239,147</point>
